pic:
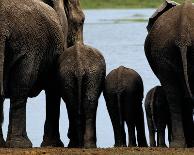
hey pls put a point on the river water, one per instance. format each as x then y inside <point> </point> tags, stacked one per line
<point>120,36</point>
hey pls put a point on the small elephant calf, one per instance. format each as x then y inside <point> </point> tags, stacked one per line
<point>123,94</point>
<point>82,72</point>
<point>158,116</point>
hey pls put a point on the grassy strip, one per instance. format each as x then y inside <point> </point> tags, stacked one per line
<point>98,4</point>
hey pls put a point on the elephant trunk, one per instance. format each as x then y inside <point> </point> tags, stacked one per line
<point>184,41</point>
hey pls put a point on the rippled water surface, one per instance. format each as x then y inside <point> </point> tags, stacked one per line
<point>119,35</point>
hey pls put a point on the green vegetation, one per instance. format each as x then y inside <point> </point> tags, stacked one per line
<point>97,4</point>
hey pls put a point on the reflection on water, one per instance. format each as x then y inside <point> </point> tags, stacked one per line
<point>121,43</point>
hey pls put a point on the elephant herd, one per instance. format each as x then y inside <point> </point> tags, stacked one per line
<point>42,48</point>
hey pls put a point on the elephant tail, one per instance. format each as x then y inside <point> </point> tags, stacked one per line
<point>184,41</point>
<point>152,100</point>
<point>119,109</point>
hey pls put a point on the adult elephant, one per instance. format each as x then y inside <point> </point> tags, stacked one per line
<point>31,38</point>
<point>82,72</point>
<point>169,50</point>
<point>123,93</point>
<point>158,116</point>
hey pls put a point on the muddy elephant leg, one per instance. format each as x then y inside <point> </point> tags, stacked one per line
<point>118,127</point>
<point>17,135</point>
<point>131,135</point>
<point>174,99</point>
<point>51,128</point>
<point>140,127</point>
<point>2,141</point>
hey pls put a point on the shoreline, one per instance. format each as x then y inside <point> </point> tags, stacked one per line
<point>107,151</point>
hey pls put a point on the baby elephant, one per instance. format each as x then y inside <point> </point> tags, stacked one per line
<point>158,116</point>
<point>123,94</point>
<point>82,72</point>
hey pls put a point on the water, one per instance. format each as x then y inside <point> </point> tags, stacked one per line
<point>120,36</point>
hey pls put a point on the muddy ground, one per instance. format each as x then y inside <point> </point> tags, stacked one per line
<point>108,151</point>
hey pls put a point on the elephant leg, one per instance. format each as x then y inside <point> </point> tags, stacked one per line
<point>169,131</point>
<point>161,136</point>
<point>75,131</point>
<point>140,127</point>
<point>90,108</point>
<point>151,127</point>
<point>118,127</point>
<point>174,100</point>
<point>131,134</point>
<point>161,125</point>
<point>2,141</point>
<point>51,128</point>
<point>188,124</point>
<point>17,135</point>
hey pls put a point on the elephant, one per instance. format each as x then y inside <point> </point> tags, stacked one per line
<point>123,94</point>
<point>82,71</point>
<point>168,48</point>
<point>31,40</point>
<point>158,116</point>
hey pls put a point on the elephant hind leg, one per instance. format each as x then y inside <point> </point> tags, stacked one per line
<point>140,127</point>
<point>118,127</point>
<point>51,128</point>
<point>131,134</point>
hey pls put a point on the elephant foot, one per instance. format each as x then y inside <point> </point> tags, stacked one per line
<point>152,144</point>
<point>89,145</point>
<point>18,142</point>
<point>162,145</point>
<point>143,144</point>
<point>52,143</point>
<point>73,144</point>
<point>120,145</point>
<point>178,144</point>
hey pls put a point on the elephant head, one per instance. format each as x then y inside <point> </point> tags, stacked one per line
<point>168,4</point>
<point>75,17</point>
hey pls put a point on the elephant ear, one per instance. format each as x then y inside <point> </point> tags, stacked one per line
<point>168,4</point>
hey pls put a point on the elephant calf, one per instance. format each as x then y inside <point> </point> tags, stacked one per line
<point>123,94</point>
<point>158,116</point>
<point>82,72</point>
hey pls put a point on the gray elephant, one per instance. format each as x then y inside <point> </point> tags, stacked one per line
<point>31,39</point>
<point>168,48</point>
<point>123,93</point>
<point>158,116</point>
<point>82,72</point>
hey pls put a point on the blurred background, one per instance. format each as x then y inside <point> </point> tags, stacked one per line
<point>88,4</point>
<point>118,29</point>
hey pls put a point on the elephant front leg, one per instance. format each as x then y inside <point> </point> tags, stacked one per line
<point>17,135</point>
<point>51,128</point>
